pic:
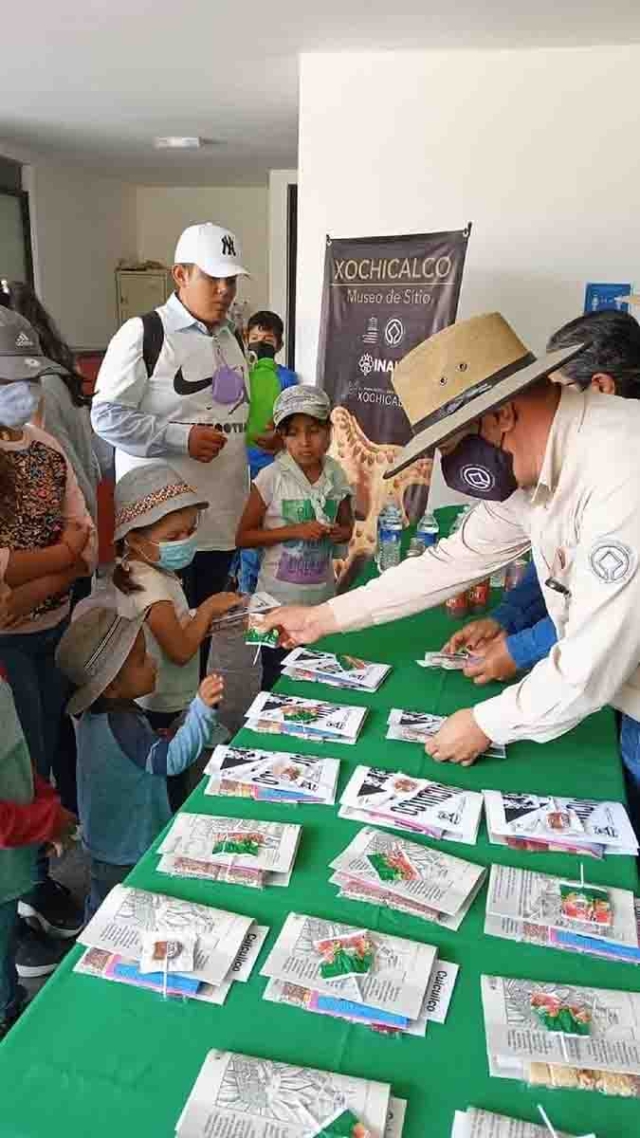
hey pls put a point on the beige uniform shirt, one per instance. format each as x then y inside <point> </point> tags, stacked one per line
<point>582,521</point>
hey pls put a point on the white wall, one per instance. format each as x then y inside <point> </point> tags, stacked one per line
<point>81,224</point>
<point>279,182</point>
<point>164,211</point>
<point>538,148</point>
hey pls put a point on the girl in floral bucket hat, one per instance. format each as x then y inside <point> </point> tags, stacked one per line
<point>156,520</point>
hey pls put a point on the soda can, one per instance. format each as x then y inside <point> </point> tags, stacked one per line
<point>514,573</point>
<point>458,606</point>
<point>479,596</point>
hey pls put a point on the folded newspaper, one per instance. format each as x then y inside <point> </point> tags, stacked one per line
<point>122,924</point>
<point>261,1098</point>
<point>571,825</point>
<point>275,714</point>
<point>561,913</point>
<point>337,669</point>
<point>272,776</point>
<point>239,614</point>
<point>123,969</point>
<point>388,983</point>
<point>474,1123</point>
<point>401,802</point>
<point>449,661</point>
<point>386,870</point>
<point>418,726</point>
<point>236,850</point>
<point>563,1035</point>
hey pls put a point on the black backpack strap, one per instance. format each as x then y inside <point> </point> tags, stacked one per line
<point>152,339</point>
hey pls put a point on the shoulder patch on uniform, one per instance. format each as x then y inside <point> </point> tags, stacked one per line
<point>612,561</point>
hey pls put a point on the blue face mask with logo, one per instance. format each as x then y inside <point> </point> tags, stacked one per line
<point>176,555</point>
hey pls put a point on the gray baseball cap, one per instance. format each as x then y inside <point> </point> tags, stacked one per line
<point>92,652</point>
<point>21,356</point>
<point>150,492</point>
<point>303,399</point>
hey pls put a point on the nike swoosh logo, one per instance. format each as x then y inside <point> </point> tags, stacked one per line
<point>181,387</point>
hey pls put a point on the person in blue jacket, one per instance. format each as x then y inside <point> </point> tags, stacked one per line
<point>520,632</point>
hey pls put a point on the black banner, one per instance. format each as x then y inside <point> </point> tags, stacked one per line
<point>382,296</point>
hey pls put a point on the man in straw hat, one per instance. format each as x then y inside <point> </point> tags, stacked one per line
<point>533,450</point>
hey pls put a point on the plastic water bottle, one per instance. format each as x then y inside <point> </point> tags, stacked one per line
<point>389,537</point>
<point>428,530</point>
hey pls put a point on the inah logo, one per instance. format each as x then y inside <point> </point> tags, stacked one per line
<point>228,247</point>
<point>478,478</point>
<point>366,363</point>
<point>612,561</point>
<point>394,332</point>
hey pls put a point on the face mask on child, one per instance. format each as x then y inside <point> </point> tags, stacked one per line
<point>176,555</point>
<point>18,403</point>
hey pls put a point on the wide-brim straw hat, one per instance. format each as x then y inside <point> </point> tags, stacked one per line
<point>148,493</point>
<point>92,652</point>
<point>460,374</point>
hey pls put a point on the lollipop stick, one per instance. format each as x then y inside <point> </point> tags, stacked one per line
<point>545,1119</point>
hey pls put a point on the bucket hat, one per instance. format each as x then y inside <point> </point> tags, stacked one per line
<point>460,374</point>
<point>92,652</point>
<point>150,492</point>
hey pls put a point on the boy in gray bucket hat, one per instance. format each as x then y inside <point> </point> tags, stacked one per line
<point>122,762</point>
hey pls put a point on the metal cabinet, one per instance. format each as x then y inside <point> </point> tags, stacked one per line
<point>138,292</point>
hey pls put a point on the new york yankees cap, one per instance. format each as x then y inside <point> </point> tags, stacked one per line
<point>21,356</point>
<point>212,248</point>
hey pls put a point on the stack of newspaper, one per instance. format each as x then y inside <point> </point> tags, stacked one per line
<point>238,851</point>
<point>401,802</point>
<point>403,875</point>
<point>241,1095</point>
<point>336,669</point>
<point>578,917</point>
<point>562,1035</point>
<point>272,776</point>
<point>312,719</point>
<point>474,1123</point>
<point>570,825</point>
<point>418,726</point>
<point>168,945</point>
<point>385,982</point>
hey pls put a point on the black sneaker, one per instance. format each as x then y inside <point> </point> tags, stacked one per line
<point>52,906</point>
<point>37,954</point>
<point>7,1021</point>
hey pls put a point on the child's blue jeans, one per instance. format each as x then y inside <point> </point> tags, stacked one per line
<point>9,999</point>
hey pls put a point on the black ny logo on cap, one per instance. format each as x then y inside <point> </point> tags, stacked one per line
<point>228,247</point>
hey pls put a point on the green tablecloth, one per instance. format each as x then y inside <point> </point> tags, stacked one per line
<point>91,1059</point>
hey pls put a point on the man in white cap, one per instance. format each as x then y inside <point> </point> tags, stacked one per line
<point>559,471</point>
<point>173,385</point>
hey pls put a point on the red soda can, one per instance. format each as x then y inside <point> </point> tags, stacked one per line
<point>514,573</point>
<point>457,606</point>
<point>479,596</point>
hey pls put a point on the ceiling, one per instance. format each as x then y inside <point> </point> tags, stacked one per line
<point>94,82</point>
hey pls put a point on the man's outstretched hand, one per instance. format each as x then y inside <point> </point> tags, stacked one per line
<point>459,740</point>
<point>300,625</point>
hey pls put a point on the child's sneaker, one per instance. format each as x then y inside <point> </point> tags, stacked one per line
<point>52,906</point>
<point>37,954</point>
<point>7,1021</point>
